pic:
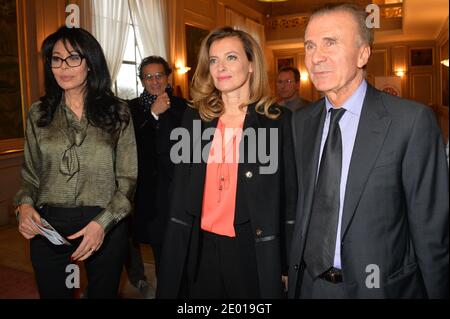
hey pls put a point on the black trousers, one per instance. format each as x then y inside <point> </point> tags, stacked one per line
<point>157,255</point>
<point>226,268</point>
<point>134,264</point>
<point>50,261</point>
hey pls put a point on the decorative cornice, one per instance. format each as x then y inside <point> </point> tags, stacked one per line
<point>284,23</point>
<point>392,11</point>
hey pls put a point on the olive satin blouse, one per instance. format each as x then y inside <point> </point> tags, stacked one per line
<point>70,163</point>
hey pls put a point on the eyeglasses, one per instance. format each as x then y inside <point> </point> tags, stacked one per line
<point>72,61</point>
<point>288,81</point>
<point>149,77</point>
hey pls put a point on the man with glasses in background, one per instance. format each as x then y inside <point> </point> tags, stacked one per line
<point>155,113</point>
<point>288,86</point>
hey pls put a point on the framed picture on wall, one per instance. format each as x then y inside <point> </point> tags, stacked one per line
<point>285,62</point>
<point>11,122</point>
<point>421,56</point>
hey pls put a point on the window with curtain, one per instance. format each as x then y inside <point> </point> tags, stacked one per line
<point>128,84</point>
<point>126,31</point>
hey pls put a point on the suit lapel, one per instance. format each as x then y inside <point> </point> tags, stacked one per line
<point>243,210</point>
<point>372,129</point>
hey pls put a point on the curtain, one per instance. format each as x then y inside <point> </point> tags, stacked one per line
<point>150,19</point>
<point>110,21</point>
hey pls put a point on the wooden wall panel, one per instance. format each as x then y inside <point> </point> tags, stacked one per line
<point>241,8</point>
<point>442,115</point>
<point>422,88</point>
<point>399,62</point>
<point>50,15</point>
<point>399,58</point>
<point>202,8</point>
<point>10,166</point>
<point>378,63</point>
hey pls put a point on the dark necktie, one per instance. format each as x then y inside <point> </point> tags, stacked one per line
<point>321,237</point>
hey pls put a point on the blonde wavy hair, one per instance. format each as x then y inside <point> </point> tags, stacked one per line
<point>208,100</point>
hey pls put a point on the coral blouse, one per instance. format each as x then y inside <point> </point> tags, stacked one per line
<point>219,198</point>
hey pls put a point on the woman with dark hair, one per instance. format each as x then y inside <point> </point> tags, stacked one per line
<point>79,171</point>
<point>156,112</point>
<point>232,207</point>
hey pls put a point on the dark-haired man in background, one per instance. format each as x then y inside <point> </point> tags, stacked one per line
<point>288,86</point>
<point>156,112</point>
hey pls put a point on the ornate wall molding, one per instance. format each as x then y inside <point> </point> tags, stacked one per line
<point>286,23</point>
<point>391,11</point>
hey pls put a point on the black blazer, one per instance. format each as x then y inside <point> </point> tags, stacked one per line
<point>396,203</point>
<point>155,169</point>
<point>267,201</point>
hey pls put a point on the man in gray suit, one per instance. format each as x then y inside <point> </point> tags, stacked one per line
<point>288,86</point>
<point>373,206</point>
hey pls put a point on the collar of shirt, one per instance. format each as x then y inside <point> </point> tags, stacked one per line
<point>354,103</point>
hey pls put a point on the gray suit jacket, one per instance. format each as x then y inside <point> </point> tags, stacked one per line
<point>297,103</point>
<point>396,204</point>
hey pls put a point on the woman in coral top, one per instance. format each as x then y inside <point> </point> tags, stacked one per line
<point>234,191</point>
